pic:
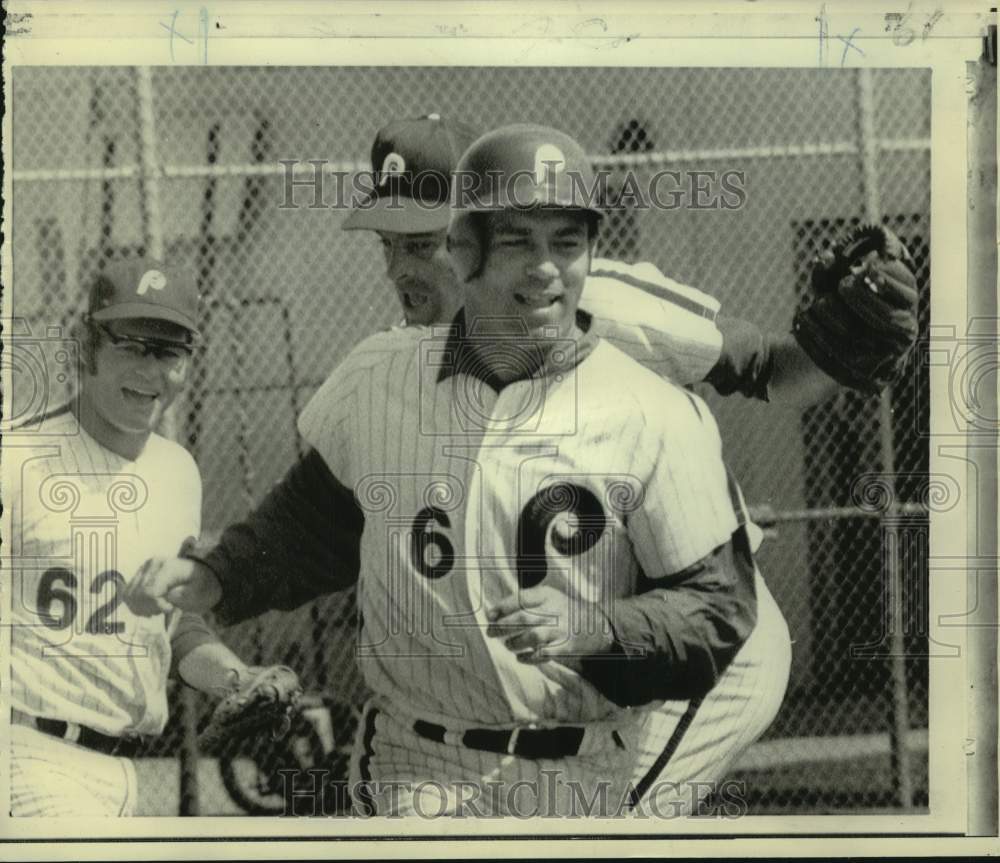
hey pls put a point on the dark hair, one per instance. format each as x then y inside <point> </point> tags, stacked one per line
<point>91,338</point>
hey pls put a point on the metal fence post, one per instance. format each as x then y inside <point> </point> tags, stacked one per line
<point>149,175</point>
<point>149,195</point>
<point>899,724</point>
<point>152,224</point>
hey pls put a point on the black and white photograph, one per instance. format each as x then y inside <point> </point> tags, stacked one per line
<point>571,428</point>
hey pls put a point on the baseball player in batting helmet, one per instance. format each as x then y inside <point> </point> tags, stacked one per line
<point>671,328</point>
<point>556,515</point>
<point>297,551</point>
<point>688,743</point>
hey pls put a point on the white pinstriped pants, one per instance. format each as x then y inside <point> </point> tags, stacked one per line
<point>395,771</point>
<point>50,777</point>
<point>659,762</point>
<point>688,747</point>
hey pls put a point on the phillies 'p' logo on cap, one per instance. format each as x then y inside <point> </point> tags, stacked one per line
<point>412,161</point>
<point>392,165</point>
<point>151,280</point>
<point>138,288</point>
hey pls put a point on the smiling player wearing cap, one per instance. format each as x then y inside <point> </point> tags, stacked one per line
<point>93,493</point>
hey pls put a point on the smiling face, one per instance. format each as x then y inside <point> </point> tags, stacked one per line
<point>535,267</point>
<point>419,269</point>
<point>127,387</point>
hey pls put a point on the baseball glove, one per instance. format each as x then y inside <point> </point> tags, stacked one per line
<point>264,699</point>
<point>862,322</point>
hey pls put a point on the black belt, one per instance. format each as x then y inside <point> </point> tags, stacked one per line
<point>122,747</point>
<point>560,742</point>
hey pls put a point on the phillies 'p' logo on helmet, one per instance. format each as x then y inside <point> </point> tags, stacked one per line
<point>515,167</point>
<point>549,163</point>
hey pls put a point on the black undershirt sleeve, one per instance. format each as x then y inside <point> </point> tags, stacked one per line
<point>302,541</point>
<point>746,362</point>
<point>674,642</point>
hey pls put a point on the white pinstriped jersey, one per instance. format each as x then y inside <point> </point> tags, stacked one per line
<point>579,479</point>
<point>83,519</point>
<point>668,327</point>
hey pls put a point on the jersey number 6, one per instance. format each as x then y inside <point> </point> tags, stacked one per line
<point>424,541</point>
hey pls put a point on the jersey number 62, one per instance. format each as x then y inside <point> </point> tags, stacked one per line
<point>56,588</point>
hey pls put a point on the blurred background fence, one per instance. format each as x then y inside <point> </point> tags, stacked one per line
<point>187,163</point>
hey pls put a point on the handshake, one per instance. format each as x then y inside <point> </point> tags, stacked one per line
<point>165,583</point>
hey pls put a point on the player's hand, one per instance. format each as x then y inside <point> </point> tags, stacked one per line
<point>541,623</point>
<point>165,583</point>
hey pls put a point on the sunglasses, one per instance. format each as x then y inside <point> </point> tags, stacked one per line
<point>139,347</point>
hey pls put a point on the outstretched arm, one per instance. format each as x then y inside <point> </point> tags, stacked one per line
<point>858,330</point>
<point>201,660</point>
<point>302,541</point>
<point>767,366</point>
<point>795,379</point>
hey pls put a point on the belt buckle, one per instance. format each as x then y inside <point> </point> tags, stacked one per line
<point>512,741</point>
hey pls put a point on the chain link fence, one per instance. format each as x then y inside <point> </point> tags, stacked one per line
<point>187,163</point>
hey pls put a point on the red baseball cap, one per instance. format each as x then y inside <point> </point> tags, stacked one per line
<point>412,164</point>
<point>145,288</point>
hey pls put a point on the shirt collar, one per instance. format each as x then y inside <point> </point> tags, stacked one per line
<point>461,348</point>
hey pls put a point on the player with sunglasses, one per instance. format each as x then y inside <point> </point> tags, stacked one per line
<point>93,492</point>
<point>140,347</point>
